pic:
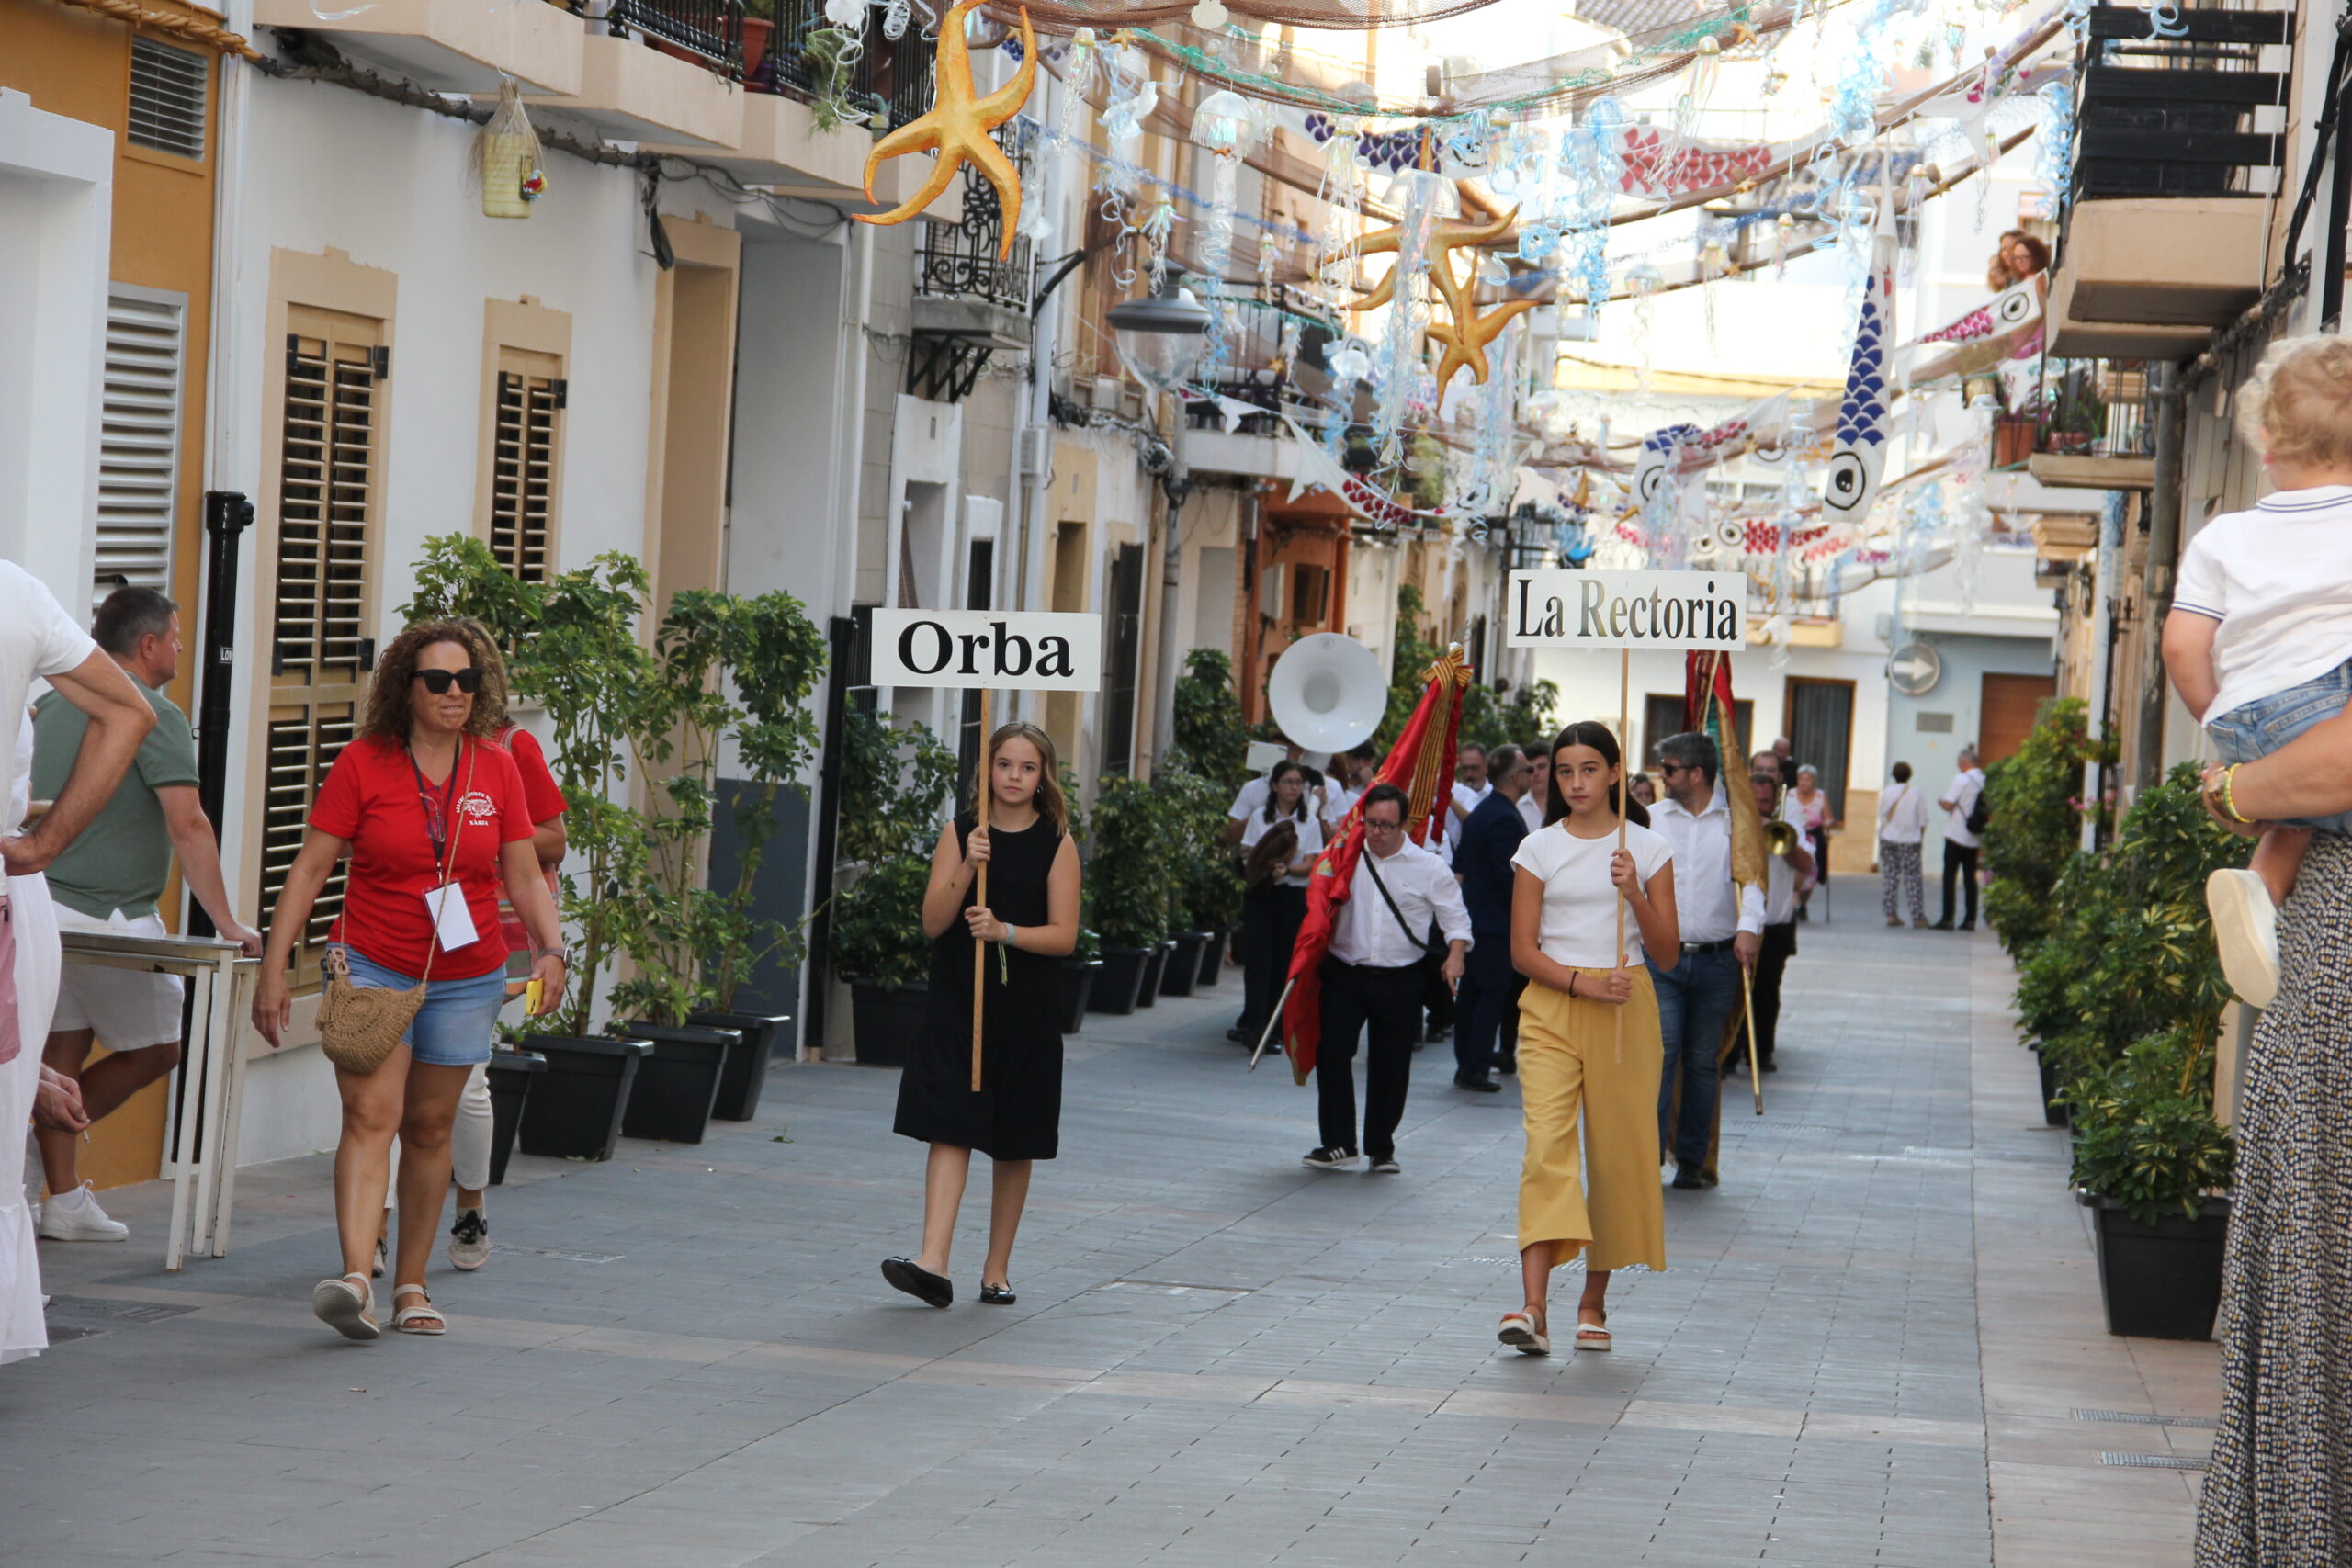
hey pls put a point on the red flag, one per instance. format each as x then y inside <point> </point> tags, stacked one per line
<point>1421,765</point>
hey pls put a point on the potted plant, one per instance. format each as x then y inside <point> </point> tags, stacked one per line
<point>510,1074</point>
<point>677,1081</point>
<point>746,1073</point>
<point>574,1109</point>
<point>2036,822</point>
<point>897,786</point>
<point>1079,970</point>
<point>1130,871</point>
<point>1213,748</point>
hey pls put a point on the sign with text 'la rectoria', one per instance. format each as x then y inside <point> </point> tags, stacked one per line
<point>1034,651</point>
<point>1627,609</point>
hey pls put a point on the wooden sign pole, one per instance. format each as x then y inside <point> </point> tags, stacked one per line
<point>1624,755</point>
<point>984,814</point>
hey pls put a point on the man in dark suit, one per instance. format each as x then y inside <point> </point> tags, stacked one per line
<point>1490,836</point>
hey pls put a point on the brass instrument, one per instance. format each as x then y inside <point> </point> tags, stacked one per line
<point>1781,837</point>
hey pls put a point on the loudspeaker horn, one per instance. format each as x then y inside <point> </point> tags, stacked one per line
<point>1327,693</point>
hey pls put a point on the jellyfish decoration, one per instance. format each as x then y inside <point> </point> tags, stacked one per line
<point>1129,96</point>
<point>1424,200</point>
<point>1224,126</point>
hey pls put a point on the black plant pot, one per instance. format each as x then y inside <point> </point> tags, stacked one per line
<point>1078,983</point>
<point>574,1111</point>
<point>747,1069</point>
<point>1155,964</point>
<point>1184,963</point>
<point>510,1084</point>
<point>1118,981</point>
<point>2162,1281</point>
<point>1212,958</point>
<point>678,1084</point>
<point>885,1023</point>
<point>2053,1110</point>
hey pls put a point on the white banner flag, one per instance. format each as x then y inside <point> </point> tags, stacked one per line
<point>1032,650</point>
<point>1563,608</point>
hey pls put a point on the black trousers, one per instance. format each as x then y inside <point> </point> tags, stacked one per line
<point>1387,1004</point>
<point>1271,916</point>
<point>1771,962</point>
<point>1959,860</point>
<point>1437,996</point>
<point>1484,1004</point>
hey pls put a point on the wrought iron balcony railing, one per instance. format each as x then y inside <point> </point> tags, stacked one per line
<point>2082,407</point>
<point>710,30</point>
<point>884,80</point>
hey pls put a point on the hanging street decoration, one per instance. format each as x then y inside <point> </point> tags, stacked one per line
<point>506,157</point>
<point>958,128</point>
<point>1858,459</point>
<point>1468,333</point>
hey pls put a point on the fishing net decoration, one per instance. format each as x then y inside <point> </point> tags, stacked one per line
<point>1423,198</point>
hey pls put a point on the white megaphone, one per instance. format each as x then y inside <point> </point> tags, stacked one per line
<point>1327,693</point>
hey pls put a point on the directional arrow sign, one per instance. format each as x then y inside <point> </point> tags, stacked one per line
<point>1915,669</point>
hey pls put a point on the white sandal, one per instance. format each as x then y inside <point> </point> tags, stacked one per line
<point>345,1306</point>
<point>1594,1335</point>
<point>423,1319</point>
<point>1519,1332</point>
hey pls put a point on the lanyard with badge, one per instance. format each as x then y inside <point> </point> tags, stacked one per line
<point>445,904</point>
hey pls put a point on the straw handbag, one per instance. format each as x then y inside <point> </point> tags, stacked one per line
<point>358,1025</point>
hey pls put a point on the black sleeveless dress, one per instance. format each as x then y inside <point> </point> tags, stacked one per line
<point>1018,1113</point>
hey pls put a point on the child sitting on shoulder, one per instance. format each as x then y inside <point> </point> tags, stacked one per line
<point>2261,632</point>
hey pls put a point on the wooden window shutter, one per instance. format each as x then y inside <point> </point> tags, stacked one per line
<point>526,449</point>
<point>139,441</point>
<point>326,545</point>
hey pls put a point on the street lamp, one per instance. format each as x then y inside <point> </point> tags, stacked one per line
<point>1160,337</point>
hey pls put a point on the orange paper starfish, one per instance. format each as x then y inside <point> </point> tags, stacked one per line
<point>958,128</point>
<point>1468,336</point>
<point>1466,333</point>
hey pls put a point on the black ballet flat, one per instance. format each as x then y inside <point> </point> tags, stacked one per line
<point>997,1295</point>
<point>905,1274</point>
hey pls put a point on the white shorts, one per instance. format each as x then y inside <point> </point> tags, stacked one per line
<point>128,1010</point>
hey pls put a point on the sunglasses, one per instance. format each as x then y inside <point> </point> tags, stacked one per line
<point>436,681</point>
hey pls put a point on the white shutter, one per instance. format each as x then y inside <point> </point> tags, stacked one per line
<point>139,439</point>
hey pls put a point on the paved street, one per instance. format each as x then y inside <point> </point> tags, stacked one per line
<point>1869,1348</point>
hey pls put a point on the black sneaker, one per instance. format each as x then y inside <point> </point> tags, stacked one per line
<point>1687,1178</point>
<point>1241,1037</point>
<point>1771,1065</point>
<point>1327,1159</point>
<point>1480,1085</point>
<point>470,1241</point>
<point>1387,1166</point>
<point>1507,1065</point>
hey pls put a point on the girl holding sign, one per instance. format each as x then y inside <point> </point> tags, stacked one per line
<point>1030,923</point>
<point>1576,1062</point>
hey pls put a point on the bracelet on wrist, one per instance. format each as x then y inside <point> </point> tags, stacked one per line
<point>2229,798</point>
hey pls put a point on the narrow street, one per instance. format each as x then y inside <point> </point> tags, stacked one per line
<point>1880,1342</point>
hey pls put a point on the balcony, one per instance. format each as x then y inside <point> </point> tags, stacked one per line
<point>2090,424</point>
<point>884,85</point>
<point>970,300</point>
<point>2177,138</point>
<point>448,46</point>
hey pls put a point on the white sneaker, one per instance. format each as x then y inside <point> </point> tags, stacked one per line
<point>2245,928</point>
<point>469,1240</point>
<point>75,1216</point>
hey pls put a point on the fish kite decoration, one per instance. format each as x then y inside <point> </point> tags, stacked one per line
<point>1859,457</point>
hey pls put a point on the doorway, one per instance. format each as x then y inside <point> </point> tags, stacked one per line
<point>2008,704</point>
<point>1821,732</point>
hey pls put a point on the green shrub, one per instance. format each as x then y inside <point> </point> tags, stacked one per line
<point>2144,1133</point>
<point>1209,730</point>
<point>1134,878</point>
<point>897,785</point>
<point>2036,822</point>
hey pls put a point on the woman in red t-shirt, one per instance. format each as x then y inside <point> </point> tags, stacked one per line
<point>422,789</point>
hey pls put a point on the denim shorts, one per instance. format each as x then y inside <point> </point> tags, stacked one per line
<point>453,1028</point>
<point>2263,726</point>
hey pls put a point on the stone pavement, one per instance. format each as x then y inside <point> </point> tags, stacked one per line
<point>1869,1348</point>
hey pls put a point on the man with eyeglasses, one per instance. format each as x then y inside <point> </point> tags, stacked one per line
<point>1371,983</point>
<point>1722,933</point>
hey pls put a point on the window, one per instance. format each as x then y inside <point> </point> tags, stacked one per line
<point>1125,658</point>
<point>1310,595</point>
<point>326,506</point>
<point>1662,716</point>
<point>168,86</point>
<point>138,440</point>
<point>525,444</point>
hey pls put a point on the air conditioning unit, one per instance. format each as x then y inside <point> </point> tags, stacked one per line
<point>1037,453</point>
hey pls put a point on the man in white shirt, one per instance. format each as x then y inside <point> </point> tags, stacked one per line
<point>1538,798</point>
<point>1775,803</point>
<point>1959,844</point>
<point>1372,980</point>
<point>1470,787</point>
<point>1722,931</point>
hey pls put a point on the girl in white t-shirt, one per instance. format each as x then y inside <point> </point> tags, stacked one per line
<point>1283,838</point>
<point>2259,640</point>
<point>1589,1046</point>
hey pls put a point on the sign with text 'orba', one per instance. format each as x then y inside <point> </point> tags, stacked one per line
<point>1627,609</point>
<point>1034,651</point>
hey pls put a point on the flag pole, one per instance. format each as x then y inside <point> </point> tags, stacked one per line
<point>1271,1023</point>
<point>983,800</point>
<point>1755,1073</point>
<point>1624,723</point>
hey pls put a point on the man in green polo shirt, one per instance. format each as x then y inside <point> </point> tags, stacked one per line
<point>111,880</point>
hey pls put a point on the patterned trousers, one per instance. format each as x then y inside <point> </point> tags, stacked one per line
<point>1898,867</point>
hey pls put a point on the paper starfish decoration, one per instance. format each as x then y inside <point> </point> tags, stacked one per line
<point>958,128</point>
<point>1447,236</point>
<point>1468,336</point>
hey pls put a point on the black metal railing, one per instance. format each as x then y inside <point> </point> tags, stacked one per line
<point>884,82</point>
<point>2175,115</point>
<point>2081,408</point>
<point>710,30</point>
<point>962,260</point>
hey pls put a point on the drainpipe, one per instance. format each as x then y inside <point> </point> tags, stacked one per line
<point>1176,486</point>
<point>2103,588</point>
<point>2164,552</point>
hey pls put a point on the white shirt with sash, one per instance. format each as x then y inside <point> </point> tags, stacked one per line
<point>1708,908</point>
<point>1425,891</point>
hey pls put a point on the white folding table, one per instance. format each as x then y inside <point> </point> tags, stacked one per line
<point>202,1140</point>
